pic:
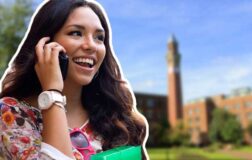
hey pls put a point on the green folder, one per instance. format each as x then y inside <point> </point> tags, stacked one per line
<point>120,153</point>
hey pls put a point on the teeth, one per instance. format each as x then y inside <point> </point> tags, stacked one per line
<point>84,60</point>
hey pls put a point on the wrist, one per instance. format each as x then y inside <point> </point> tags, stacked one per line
<point>54,87</point>
<point>56,90</point>
<point>47,99</point>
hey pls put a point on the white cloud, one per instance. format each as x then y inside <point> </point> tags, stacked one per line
<point>149,85</point>
<point>238,74</point>
<point>145,84</point>
<point>219,76</point>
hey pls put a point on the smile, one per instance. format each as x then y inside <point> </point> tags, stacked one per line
<point>85,62</point>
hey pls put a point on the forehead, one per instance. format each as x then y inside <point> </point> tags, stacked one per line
<point>84,16</point>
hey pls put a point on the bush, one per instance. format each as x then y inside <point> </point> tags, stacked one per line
<point>232,131</point>
<point>178,136</point>
<point>225,128</point>
<point>214,147</point>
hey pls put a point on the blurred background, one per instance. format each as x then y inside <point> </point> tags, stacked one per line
<point>188,63</point>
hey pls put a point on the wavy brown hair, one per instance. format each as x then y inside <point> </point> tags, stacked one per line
<point>107,98</point>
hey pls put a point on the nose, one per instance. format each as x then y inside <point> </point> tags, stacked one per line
<point>89,44</point>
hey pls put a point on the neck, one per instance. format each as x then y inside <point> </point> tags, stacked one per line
<point>76,113</point>
<point>73,95</point>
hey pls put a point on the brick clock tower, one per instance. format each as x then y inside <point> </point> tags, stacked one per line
<point>174,107</point>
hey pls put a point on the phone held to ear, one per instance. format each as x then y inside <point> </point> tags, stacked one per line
<point>63,62</point>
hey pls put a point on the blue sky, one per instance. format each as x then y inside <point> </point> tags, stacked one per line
<point>215,41</point>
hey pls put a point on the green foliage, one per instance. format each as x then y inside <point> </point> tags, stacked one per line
<point>249,129</point>
<point>162,135</point>
<point>14,18</point>
<point>216,124</point>
<point>155,131</point>
<point>214,147</point>
<point>178,136</point>
<point>232,131</point>
<point>225,128</point>
<point>158,132</point>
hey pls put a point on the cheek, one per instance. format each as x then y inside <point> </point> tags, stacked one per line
<point>69,49</point>
<point>102,55</point>
<point>68,45</point>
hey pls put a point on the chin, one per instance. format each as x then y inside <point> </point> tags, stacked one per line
<point>81,80</point>
<point>85,81</point>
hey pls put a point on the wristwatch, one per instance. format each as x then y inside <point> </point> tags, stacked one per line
<point>47,98</point>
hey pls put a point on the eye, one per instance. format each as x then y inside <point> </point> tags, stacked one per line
<point>100,37</point>
<point>75,33</point>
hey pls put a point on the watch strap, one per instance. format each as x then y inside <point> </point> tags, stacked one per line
<point>61,106</point>
<point>56,90</point>
<point>53,97</point>
<point>57,97</point>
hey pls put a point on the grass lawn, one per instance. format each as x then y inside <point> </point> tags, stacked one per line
<point>161,154</point>
<point>245,149</point>
<point>185,154</point>
<point>210,155</point>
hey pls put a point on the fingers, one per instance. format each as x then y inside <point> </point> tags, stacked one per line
<point>48,51</point>
<point>48,64</point>
<point>51,51</point>
<point>40,48</point>
<point>55,52</point>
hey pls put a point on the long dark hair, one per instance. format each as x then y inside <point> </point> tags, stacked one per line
<point>107,98</point>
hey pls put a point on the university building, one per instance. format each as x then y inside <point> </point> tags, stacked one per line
<point>196,115</point>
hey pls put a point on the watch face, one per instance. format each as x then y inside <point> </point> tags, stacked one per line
<point>44,101</point>
<point>47,98</point>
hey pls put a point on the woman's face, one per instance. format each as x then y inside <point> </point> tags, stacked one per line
<point>82,36</point>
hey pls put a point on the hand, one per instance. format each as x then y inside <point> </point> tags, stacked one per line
<point>47,66</point>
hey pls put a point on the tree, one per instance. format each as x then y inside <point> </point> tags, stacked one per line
<point>249,128</point>
<point>14,18</point>
<point>216,124</point>
<point>179,136</point>
<point>224,127</point>
<point>158,132</point>
<point>232,131</point>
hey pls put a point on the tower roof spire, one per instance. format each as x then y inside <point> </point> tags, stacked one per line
<point>172,39</point>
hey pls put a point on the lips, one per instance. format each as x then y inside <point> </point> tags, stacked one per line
<point>84,61</point>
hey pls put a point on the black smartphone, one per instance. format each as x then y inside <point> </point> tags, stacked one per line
<point>63,61</point>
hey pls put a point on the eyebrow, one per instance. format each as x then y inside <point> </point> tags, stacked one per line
<point>83,28</point>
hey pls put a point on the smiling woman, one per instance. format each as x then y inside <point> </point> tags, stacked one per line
<point>90,110</point>
<point>82,36</point>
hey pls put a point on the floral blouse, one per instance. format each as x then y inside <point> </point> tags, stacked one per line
<point>20,132</point>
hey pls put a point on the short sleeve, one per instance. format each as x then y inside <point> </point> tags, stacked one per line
<point>20,133</point>
<point>47,150</point>
<point>20,128</point>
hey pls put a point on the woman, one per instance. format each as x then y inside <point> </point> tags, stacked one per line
<point>93,102</point>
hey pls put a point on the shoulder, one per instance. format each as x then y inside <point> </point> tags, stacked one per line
<point>15,113</point>
<point>8,101</point>
<point>20,129</point>
<point>11,102</point>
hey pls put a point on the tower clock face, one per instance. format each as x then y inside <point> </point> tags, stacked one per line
<point>173,69</point>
